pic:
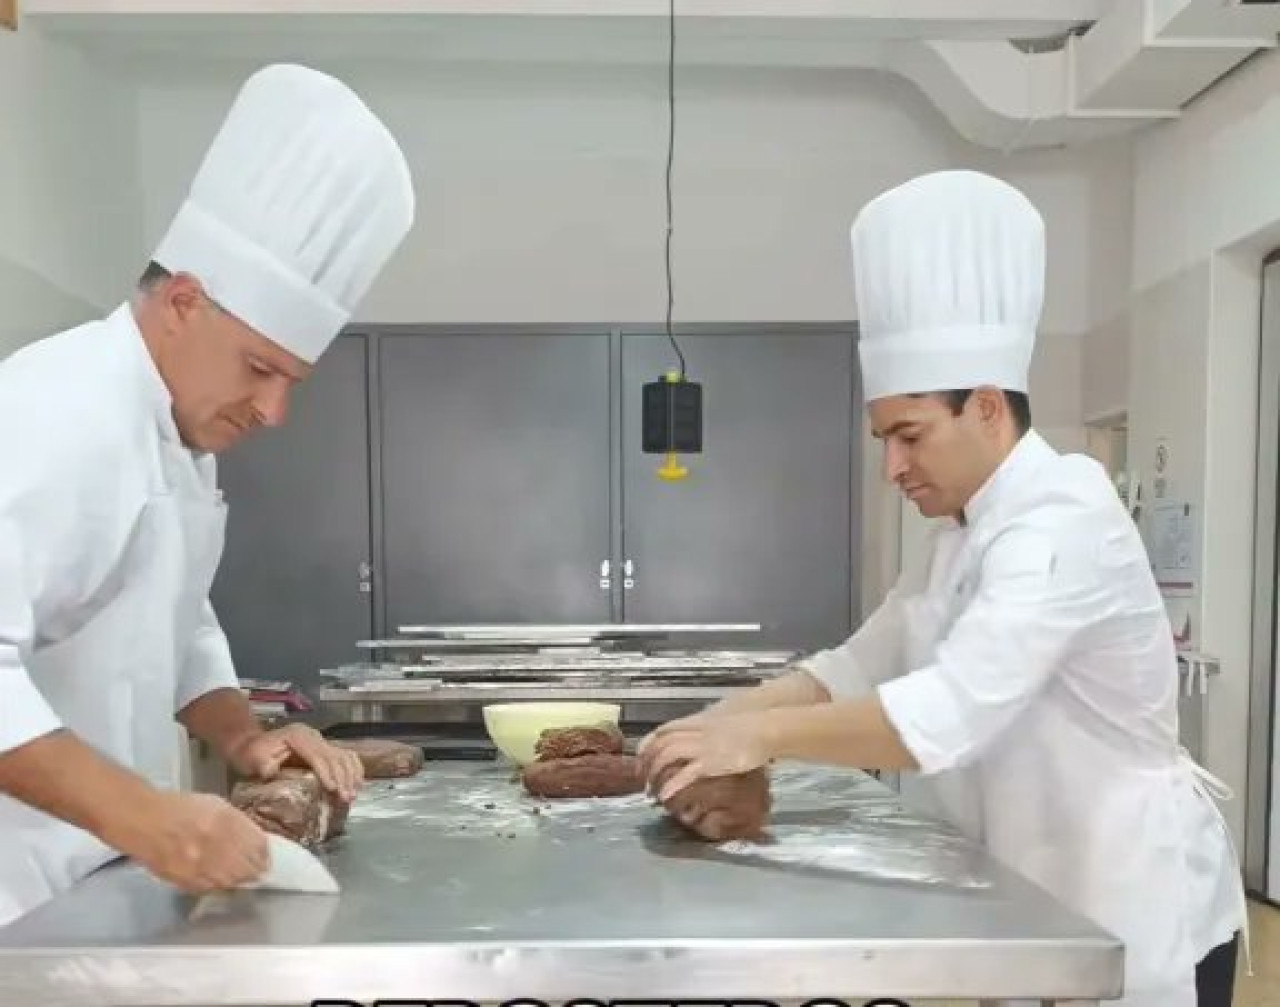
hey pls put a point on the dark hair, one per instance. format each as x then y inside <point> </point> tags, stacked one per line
<point>1018,402</point>
<point>152,276</point>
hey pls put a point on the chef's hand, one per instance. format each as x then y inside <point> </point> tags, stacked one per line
<point>260,756</point>
<point>718,745</point>
<point>197,842</point>
<point>690,721</point>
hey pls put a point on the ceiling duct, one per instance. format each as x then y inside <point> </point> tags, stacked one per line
<point>1142,62</point>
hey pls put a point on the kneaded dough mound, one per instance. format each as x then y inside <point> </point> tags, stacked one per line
<point>720,808</point>
<point>384,759</point>
<point>597,775</point>
<point>294,805</point>
<point>571,742</point>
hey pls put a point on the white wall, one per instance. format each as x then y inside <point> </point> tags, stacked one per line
<point>31,307</point>
<point>68,199</point>
<point>541,194</point>
<point>1105,350</point>
<point>1104,373</point>
<point>542,188</point>
<point>1207,208</point>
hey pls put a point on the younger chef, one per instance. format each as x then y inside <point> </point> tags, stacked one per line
<point>1027,669</point>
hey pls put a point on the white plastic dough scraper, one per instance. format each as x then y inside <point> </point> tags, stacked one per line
<point>295,869</point>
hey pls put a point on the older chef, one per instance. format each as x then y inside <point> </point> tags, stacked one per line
<point>111,523</point>
<point>1027,670</point>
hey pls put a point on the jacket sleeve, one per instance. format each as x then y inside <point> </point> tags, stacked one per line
<point>874,654</point>
<point>61,540</point>
<point>1032,603</point>
<point>24,713</point>
<point>877,652</point>
<point>207,665</point>
<point>69,509</point>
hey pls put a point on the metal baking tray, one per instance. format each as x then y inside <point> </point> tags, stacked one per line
<point>589,631</point>
<point>513,643</point>
<point>549,684</point>
<point>613,666</point>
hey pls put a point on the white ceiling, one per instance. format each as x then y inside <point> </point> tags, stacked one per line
<point>904,18</point>
<point>812,32</point>
<point>1079,68</point>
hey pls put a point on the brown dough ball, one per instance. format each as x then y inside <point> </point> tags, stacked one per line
<point>294,805</point>
<point>584,776</point>
<point>719,808</point>
<point>384,759</point>
<point>338,812</point>
<point>571,742</point>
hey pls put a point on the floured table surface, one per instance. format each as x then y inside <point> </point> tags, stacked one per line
<point>457,884</point>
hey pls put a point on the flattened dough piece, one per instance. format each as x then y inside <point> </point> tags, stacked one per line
<point>572,742</point>
<point>720,808</point>
<point>384,759</point>
<point>585,776</point>
<point>294,805</point>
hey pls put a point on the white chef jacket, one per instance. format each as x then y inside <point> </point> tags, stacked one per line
<point>1030,669</point>
<point>110,535</point>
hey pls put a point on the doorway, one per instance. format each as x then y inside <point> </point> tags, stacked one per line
<point>1262,829</point>
<point>1107,441</point>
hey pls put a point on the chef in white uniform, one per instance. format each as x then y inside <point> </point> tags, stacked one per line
<point>111,522</point>
<point>1027,670</point>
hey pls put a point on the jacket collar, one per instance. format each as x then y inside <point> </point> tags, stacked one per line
<point>1011,475</point>
<point>152,384</point>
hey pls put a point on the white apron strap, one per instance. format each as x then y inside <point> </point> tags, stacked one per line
<point>1213,790</point>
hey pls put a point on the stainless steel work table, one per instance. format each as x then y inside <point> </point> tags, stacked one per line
<point>457,885</point>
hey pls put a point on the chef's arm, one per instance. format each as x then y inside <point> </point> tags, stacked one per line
<point>794,688</point>
<point>871,655</point>
<point>223,719</point>
<point>64,777</point>
<point>48,768</point>
<point>874,654</point>
<point>208,699</point>
<point>850,732</point>
<point>41,763</point>
<point>1032,601</point>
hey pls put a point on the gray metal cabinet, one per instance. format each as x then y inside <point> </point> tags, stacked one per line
<point>434,475</point>
<point>495,451</point>
<point>763,527</point>
<point>289,590</point>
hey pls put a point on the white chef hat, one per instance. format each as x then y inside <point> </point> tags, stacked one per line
<point>300,201</point>
<point>949,274</point>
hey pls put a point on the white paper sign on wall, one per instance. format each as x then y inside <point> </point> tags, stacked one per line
<point>1160,484</point>
<point>1173,547</point>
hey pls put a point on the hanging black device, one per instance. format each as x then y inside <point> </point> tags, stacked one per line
<point>672,420</point>
<point>671,414</point>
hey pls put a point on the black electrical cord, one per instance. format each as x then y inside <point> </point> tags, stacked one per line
<point>671,153</point>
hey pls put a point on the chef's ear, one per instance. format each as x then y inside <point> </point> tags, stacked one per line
<point>990,404</point>
<point>184,298</point>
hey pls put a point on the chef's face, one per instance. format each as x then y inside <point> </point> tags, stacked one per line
<point>226,379</point>
<point>939,457</point>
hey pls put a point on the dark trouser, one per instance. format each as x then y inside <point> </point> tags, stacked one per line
<point>1216,975</point>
